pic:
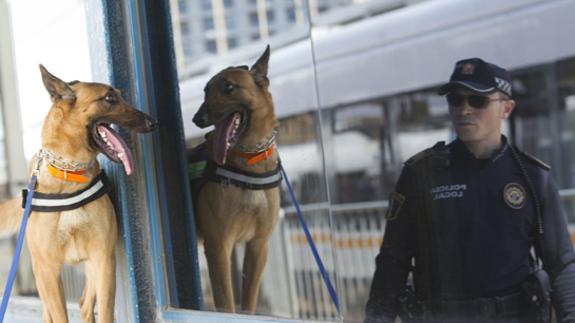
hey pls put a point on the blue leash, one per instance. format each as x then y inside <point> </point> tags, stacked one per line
<point>14,267</point>
<point>322,270</point>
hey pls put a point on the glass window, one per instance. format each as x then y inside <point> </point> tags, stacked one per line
<point>254,20</point>
<point>290,14</point>
<point>208,23</point>
<point>183,6</point>
<point>322,8</point>
<point>232,43</point>
<point>350,112</point>
<point>211,46</point>
<point>289,287</point>
<point>185,27</point>
<point>231,22</point>
<point>271,16</point>
<point>206,4</point>
<point>188,51</point>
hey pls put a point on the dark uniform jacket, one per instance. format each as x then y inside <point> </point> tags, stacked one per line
<point>468,226</point>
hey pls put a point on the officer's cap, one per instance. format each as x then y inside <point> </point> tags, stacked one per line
<point>478,76</point>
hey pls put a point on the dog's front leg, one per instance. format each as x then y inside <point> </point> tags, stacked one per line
<point>46,318</point>
<point>51,290</point>
<point>105,275</point>
<point>88,299</point>
<point>254,264</point>
<point>218,255</point>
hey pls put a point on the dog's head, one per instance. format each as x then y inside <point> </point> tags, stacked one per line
<point>84,112</point>
<point>231,96</point>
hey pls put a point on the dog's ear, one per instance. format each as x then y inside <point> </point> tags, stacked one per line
<point>58,89</point>
<point>259,70</point>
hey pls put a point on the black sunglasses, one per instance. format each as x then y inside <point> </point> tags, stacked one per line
<point>474,101</point>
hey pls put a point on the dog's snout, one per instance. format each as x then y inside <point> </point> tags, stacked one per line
<point>201,117</point>
<point>151,124</point>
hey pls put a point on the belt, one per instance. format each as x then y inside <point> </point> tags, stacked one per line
<point>484,307</point>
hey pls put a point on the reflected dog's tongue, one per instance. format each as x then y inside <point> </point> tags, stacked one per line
<point>225,132</point>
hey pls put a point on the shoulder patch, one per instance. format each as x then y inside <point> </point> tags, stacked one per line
<point>534,160</point>
<point>396,201</point>
<point>418,157</point>
<point>439,147</point>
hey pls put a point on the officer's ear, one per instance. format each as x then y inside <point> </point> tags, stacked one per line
<point>508,107</point>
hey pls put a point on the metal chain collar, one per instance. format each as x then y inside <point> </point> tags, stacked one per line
<point>259,147</point>
<point>63,164</point>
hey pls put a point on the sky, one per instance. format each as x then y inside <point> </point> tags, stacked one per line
<point>56,37</point>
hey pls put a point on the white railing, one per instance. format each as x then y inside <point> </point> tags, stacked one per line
<point>357,235</point>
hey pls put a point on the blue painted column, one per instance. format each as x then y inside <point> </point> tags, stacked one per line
<point>133,50</point>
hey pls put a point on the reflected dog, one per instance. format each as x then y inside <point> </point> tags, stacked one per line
<point>73,219</point>
<point>240,201</point>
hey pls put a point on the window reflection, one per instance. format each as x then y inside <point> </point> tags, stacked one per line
<point>287,289</point>
<point>361,134</point>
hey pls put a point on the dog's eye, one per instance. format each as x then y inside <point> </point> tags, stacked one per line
<point>110,98</point>
<point>227,87</point>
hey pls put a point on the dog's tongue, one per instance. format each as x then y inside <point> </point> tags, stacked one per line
<point>225,131</point>
<point>117,147</point>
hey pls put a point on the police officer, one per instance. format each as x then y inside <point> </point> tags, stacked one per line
<point>464,217</point>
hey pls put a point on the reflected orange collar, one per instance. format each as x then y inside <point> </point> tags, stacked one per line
<point>254,158</point>
<point>69,176</point>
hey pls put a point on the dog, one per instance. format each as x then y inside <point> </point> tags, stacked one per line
<point>241,199</point>
<point>76,129</point>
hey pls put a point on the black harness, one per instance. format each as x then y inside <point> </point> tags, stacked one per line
<point>202,170</point>
<point>233,176</point>
<point>45,202</point>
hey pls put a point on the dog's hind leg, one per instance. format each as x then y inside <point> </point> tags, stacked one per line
<point>51,290</point>
<point>218,255</point>
<point>88,298</point>
<point>105,275</point>
<point>254,262</point>
<point>11,215</point>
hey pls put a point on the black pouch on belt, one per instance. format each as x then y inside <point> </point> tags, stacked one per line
<point>537,297</point>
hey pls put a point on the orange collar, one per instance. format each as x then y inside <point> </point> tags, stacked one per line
<point>254,158</point>
<point>69,176</point>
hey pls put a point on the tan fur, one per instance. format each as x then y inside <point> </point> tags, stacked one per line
<point>228,214</point>
<point>86,234</point>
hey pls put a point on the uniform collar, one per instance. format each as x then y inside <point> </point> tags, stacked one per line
<point>460,150</point>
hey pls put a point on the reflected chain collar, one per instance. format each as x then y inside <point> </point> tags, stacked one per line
<point>259,147</point>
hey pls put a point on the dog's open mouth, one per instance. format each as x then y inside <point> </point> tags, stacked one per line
<point>227,133</point>
<point>113,146</point>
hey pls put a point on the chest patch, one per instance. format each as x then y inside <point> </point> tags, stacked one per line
<point>448,191</point>
<point>514,195</point>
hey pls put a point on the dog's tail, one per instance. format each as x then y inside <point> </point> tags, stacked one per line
<point>11,213</point>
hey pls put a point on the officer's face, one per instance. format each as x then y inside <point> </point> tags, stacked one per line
<point>478,123</point>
